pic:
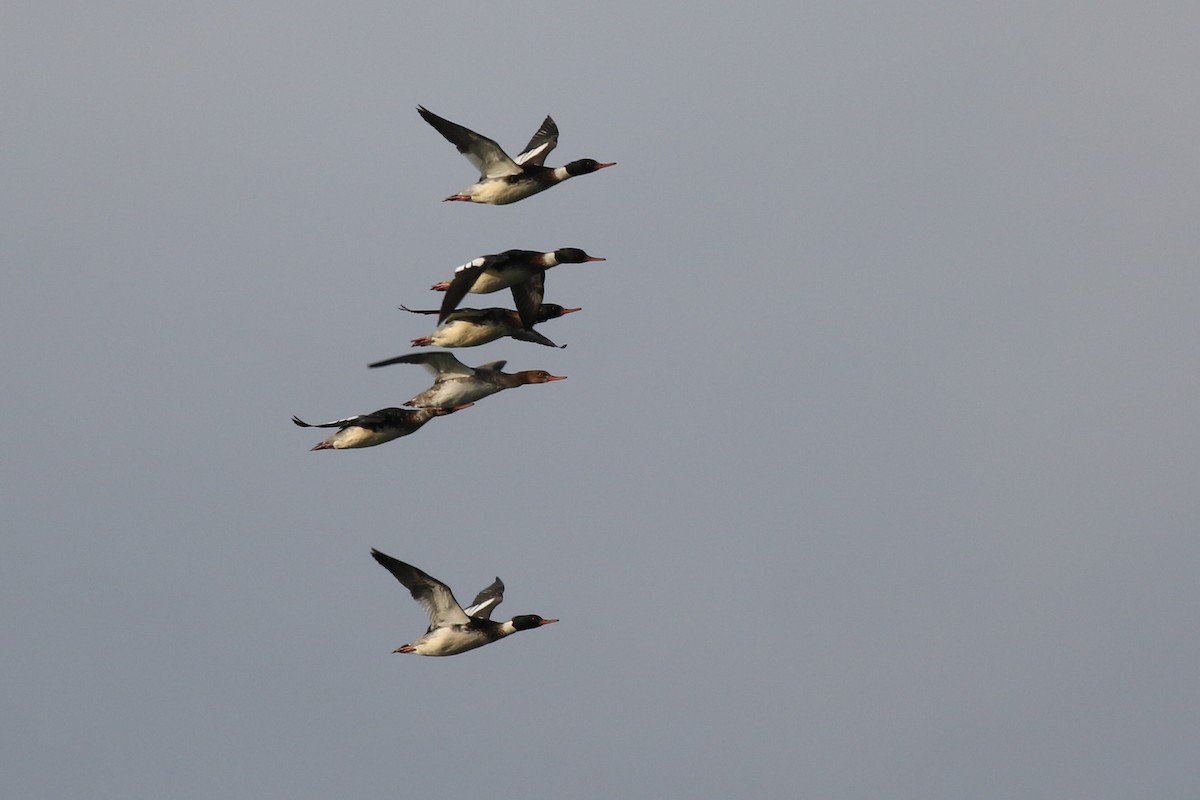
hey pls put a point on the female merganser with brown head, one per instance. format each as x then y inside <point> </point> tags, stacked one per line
<point>455,383</point>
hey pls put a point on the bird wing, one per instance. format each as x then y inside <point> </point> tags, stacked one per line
<point>376,419</point>
<point>535,337</point>
<point>491,366</point>
<point>486,600</point>
<point>337,423</point>
<point>484,153</point>
<point>528,298</point>
<point>420,310</point>
<point>440,365</point>
<point>433,595</point>
<point>545,140</point>
<point>464,279</point>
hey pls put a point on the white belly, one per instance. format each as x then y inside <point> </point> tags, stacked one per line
<point>464,334</point>
<point>489,282</point>
<point>355,436</point>
<point>448,642</point>
<point>500,192</point>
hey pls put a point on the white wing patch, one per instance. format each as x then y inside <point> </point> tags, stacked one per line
<point>474,263</point>
<point>530,156</point>
<point>486,600</point>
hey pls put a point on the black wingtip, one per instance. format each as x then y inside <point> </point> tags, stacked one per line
<point>386,362</point>
<point>300,422</point>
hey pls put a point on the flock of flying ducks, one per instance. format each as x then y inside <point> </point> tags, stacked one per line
<point>456,386</point>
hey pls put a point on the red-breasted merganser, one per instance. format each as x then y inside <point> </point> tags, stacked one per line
<point>455,383</point>
<point>469,327</point>
<point>503,179</point>
<point>522,271</point>
<point>453,629</point>
<point>368,430</point>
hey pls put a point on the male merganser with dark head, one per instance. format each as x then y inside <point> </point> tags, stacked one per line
<point>377,427</point>
<point>522,271</point>
<point>455,383</point>
<point>469,327</point>
<point>503,179</point>
<point>453,629</point>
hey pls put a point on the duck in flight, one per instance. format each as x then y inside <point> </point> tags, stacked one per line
<point>452,628</point>
<point>503,179</point>
<point>456,384</point>
<point>522,271</point>
<point>368,430</point>
<point>469,327</point>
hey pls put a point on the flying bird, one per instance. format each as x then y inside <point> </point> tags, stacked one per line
<point>368,430</point>
<point>503,179</point>
<point>453,629</point>
<point>522,271</point>
<point>469,327</point>
<point>455,383</point>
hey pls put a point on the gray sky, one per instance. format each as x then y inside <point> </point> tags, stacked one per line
<point>875,475</point>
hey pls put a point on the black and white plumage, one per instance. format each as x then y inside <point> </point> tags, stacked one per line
<point>503,179</point>
<point>486,601</point>
<point>368,430</point>
<point>453,629</point>
<point>540,144</point>
<point>470,327</point>
<point>521,271</point>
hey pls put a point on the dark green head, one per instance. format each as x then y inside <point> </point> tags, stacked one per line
<point>553,311</point>
<point>573,255</point>
<point>527,621</point>
<point>585,165</point>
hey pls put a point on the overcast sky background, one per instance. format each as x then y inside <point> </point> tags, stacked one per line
<point>876,472</point>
